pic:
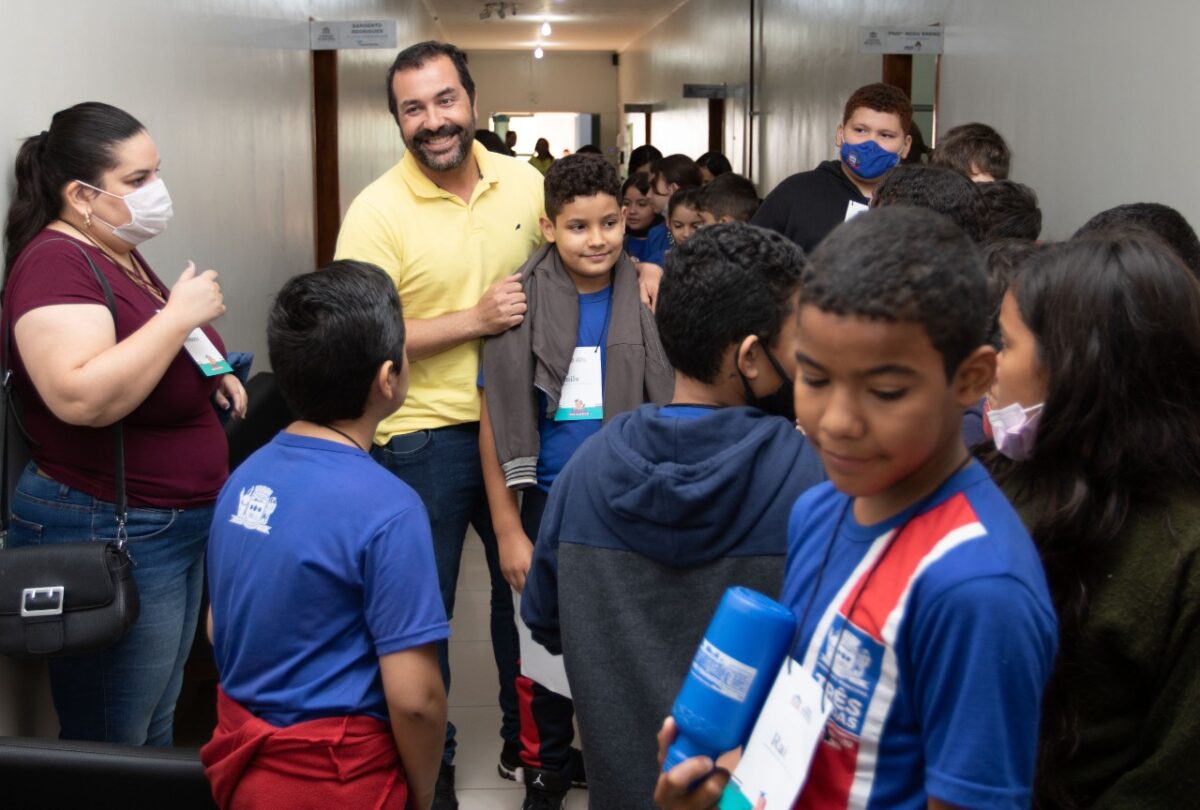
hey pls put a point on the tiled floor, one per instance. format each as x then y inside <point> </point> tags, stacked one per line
<point>473,706</point>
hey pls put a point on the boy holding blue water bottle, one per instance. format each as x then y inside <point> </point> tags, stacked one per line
<point>926,632</point>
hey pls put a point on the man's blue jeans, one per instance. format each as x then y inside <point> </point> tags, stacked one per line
<point>127,693</point>
<point>443,467</point>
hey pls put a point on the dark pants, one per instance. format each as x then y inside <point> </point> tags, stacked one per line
<point>546,717</point>
<point>442,465</point>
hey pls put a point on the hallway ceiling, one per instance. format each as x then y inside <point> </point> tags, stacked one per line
<point>578,25</point>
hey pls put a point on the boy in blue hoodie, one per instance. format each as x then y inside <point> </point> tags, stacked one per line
<point>586,351</point>
<point>656,516</point>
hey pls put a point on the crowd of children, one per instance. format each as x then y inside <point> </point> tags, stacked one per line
<point>967,462</point>
<point>1010,626</point>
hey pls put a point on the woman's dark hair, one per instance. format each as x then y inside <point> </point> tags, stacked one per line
<point>716,163</point>
<point>642,157</point>
<point>542,149</point>
<point>327,335</point>
<point>1117,323</point>
<point>80,145</point>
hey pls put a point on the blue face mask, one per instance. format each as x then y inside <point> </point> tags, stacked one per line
<point>868,159</point>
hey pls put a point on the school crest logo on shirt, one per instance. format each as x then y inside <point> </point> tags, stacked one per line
<point>255,506</point>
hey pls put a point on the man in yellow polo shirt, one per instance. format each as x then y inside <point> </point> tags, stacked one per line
<point>450,223</point>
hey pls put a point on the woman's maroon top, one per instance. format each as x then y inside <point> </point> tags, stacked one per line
<point>176,455</point>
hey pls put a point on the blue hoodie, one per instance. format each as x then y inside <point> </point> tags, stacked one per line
<point>646,526</point>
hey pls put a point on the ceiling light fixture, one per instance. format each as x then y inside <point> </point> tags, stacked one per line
<point>538,53</point>
<point>546,28</point>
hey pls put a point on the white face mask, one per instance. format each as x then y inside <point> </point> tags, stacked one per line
<point>149,208</point>
<point>1014,429</point>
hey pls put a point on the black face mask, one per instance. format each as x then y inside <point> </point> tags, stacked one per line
<point>781,402</point>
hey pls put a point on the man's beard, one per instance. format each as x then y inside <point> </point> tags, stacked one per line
<point>444,162</point>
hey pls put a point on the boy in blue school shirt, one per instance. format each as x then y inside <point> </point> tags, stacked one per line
<point>586,351</point>
<point>923,607</point>
<point>325,602</point>
<point>668,506</point>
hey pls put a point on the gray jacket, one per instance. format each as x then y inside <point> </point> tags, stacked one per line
<point>536,355</point>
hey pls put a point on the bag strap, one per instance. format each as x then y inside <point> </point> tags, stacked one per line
<point>122,505</point>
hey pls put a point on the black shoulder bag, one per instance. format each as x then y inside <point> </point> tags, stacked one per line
<point>65,598</point>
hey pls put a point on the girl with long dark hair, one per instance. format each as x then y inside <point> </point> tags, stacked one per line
<point>87,194</point>
<point>1094,415</point>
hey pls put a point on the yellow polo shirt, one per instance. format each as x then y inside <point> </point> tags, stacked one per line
<point>443,254</point>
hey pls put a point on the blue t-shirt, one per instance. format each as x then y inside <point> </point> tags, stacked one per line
<point>320,561</point>
<point>559,440</point>
<point>649,248</point>
<point>936,682</point>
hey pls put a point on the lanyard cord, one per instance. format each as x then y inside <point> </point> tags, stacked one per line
<point>837,527</point>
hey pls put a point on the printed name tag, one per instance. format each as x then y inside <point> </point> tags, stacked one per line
<point>775,764</point>
<point>206,354</point>
<point>853,209</point>
<point>582,394</point>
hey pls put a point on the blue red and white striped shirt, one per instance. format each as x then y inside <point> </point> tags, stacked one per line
<point>935,669</point>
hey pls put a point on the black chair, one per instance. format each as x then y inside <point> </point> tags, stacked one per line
<point>66,773</point>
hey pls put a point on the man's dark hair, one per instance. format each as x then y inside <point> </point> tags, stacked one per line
<point>974,148</point>
<point>589,149</point>
<point>1154,219</point>
<point>725,283</point>
<point>882,98</point>
<point>642,157</point>
<point>579,176</point>
<point>730,195</point>
<point>904,264</point>
<point>687,197</point>
<point>938,189</point>
<point>638,180</point>
<point>491,142</point>
<point>678,169</point>
<point>1012,210</point>
<point>414,57</point>
<point>327,335</point>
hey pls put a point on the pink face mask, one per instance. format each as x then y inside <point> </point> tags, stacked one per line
<point>1014,429</point>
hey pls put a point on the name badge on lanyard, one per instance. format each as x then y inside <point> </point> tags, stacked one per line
<point>582,396</point>
<point>205,354</point>
<point>775,763</point>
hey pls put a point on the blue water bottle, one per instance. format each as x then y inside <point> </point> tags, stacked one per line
<point>733,670</point>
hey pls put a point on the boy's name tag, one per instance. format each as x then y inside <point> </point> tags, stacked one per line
<point>775,764</point>
<point>853,209</point>
<point>582,394</point>
<point>206,354</point>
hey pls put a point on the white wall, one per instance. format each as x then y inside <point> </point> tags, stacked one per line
<point>703,42</point>
<point>1092,95</point>
<point>369,140</point>
<point>513,81</point>
<point>224,87</point>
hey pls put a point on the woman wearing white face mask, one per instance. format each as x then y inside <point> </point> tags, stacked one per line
<point>1095,420</point>
<point>87,194</point>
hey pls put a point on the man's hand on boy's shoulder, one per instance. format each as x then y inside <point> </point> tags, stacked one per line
<point>502,307</point>
<point>649,277</point>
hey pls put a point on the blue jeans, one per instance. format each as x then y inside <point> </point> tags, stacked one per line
<point>443,467</point>
<point>127,693</point>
